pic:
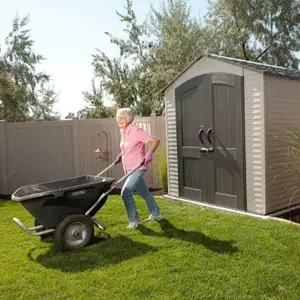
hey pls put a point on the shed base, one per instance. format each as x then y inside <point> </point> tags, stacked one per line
<point>281,217</point>
<point>230,210</point>
<point>291,214</point>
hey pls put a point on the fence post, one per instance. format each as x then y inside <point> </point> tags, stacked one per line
<point>153,122</point>
<point>3,160</point>
<point>76,146</point>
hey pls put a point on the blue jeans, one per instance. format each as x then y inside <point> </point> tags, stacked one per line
<point>135,182</point>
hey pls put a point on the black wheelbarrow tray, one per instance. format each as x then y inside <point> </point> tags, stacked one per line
<point>66,208</point>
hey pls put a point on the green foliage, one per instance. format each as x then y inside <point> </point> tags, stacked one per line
<point>46,97</point>
<point>152,54</point>
<point>288,163</point>
<point>259,30</point>
<point>124,84</point>
<point>162,167</point>
<point>293,141</point>
<point>24,94</point>
<point>95,109</point>
<point>161,46</point>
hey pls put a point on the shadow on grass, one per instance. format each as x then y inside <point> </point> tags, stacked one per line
<point>4,201</point>
<point>196,237</point>
<point>102,253</point>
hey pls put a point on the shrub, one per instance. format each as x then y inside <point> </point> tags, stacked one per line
<point>161,167</point>
<point>288,163</point>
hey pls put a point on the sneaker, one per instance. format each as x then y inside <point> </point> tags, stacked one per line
<point>156,218</point>
<point>134,224</point>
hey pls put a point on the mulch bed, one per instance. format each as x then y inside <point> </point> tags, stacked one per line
<point>155,192</point>
<point>293,215</point>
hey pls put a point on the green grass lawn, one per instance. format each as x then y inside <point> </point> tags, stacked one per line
<point>197,254</point>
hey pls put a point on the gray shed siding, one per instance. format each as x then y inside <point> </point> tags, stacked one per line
<point>254,131</point>
<point>255,141</point>
<point>282,111</point>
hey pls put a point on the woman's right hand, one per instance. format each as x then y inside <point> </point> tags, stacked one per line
<point>118,158</point>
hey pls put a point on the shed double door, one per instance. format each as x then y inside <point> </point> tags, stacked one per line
<point>210,131</point>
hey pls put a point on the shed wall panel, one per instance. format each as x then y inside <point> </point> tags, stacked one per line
<point>282,98</point>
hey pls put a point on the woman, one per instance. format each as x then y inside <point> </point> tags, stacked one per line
<point>133,141</point>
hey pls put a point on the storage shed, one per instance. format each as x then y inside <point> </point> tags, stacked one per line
<point>224,120</point>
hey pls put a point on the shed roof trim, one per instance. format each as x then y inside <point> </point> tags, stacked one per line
<point>254,66</point>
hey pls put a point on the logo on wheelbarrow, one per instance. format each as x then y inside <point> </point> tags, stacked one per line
<point>78,193</point>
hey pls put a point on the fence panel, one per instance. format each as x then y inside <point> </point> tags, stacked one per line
<point>33,152</point>
<point>3,160</point>
<point>39,152</point>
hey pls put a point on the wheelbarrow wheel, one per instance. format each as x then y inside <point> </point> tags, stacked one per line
<point>74,232</point>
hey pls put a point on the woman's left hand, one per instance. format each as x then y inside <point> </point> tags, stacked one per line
<point>148,157</point>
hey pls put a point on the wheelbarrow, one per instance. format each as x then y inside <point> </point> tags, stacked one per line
<point>65,209</point>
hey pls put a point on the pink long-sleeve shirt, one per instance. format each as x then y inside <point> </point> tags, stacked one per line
<point>133,142</point>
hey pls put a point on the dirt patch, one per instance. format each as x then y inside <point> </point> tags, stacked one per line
<point>293,215</point>
<point>159,192</point>
<point>155,192</point>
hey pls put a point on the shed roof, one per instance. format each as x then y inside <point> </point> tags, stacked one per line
<point>255,66</point>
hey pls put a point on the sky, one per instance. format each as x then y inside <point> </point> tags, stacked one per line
<point>67,33</point>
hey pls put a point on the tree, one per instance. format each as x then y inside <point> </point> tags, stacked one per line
<point>120,81</point>
<point>266,31</point>
<point>157,49</point>
<point>70,115</point>
<point>24,94</point>
<point>178,40</point>
<point>96,108</point>
<point>43,110</point>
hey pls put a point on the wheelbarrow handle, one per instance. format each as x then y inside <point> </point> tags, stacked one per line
<point>129,173</point>
<point>118,160</point>
<point>113,185</point>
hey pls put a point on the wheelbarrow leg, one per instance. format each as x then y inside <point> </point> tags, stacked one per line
<point>98,223</point>
<point>32,230</point>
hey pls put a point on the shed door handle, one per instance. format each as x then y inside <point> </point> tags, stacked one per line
<point>208,134</point>
<point>200,135</point>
